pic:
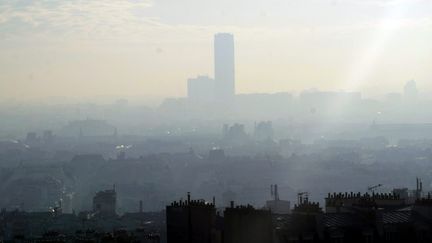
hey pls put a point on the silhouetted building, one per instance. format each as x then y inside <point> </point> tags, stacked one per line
<point>304,225</point>
<point>191,221</point>
<point>224,66</point>
<point>365,222</point>
<point>245,224</point>
<point>104,203</point>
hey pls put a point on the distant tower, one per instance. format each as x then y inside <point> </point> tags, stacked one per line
<point>224,66</point>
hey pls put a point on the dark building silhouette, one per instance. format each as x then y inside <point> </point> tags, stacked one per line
<point>191,221</point>
<point>245,224</point>
<point>224,66</point>
<point>358,218</point>
<point>104,203</point>
<point>304,225</point>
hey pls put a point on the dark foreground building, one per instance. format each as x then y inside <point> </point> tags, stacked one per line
<point>358,218</point>
<point>245,224</point>
<point>196,221</point>
<point>192,221</point>
<point>348,217</point>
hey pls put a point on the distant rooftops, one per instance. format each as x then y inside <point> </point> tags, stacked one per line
<point>194,203</point>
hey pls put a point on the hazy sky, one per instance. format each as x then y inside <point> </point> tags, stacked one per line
<point>150,47</point>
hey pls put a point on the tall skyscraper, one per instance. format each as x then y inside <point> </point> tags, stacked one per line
<point>224,66</point>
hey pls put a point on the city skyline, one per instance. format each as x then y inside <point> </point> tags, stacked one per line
<point>222,86</point>
<point>215,121</point>
<point>128,48</point>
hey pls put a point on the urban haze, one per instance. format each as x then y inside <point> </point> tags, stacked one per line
<point>204,121</point>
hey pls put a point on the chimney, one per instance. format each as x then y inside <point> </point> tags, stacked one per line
<point>188,198</point>
<point>232,204</point>
<point>214,201</point>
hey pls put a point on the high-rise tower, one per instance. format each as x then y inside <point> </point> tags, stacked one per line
<point>224,66</point>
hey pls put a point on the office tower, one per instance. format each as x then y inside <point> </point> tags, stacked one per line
<point>224,66</point>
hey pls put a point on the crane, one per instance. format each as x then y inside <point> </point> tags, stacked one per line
<point>372,188</point>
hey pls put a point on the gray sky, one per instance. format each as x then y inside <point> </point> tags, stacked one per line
<point>89,47</point>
